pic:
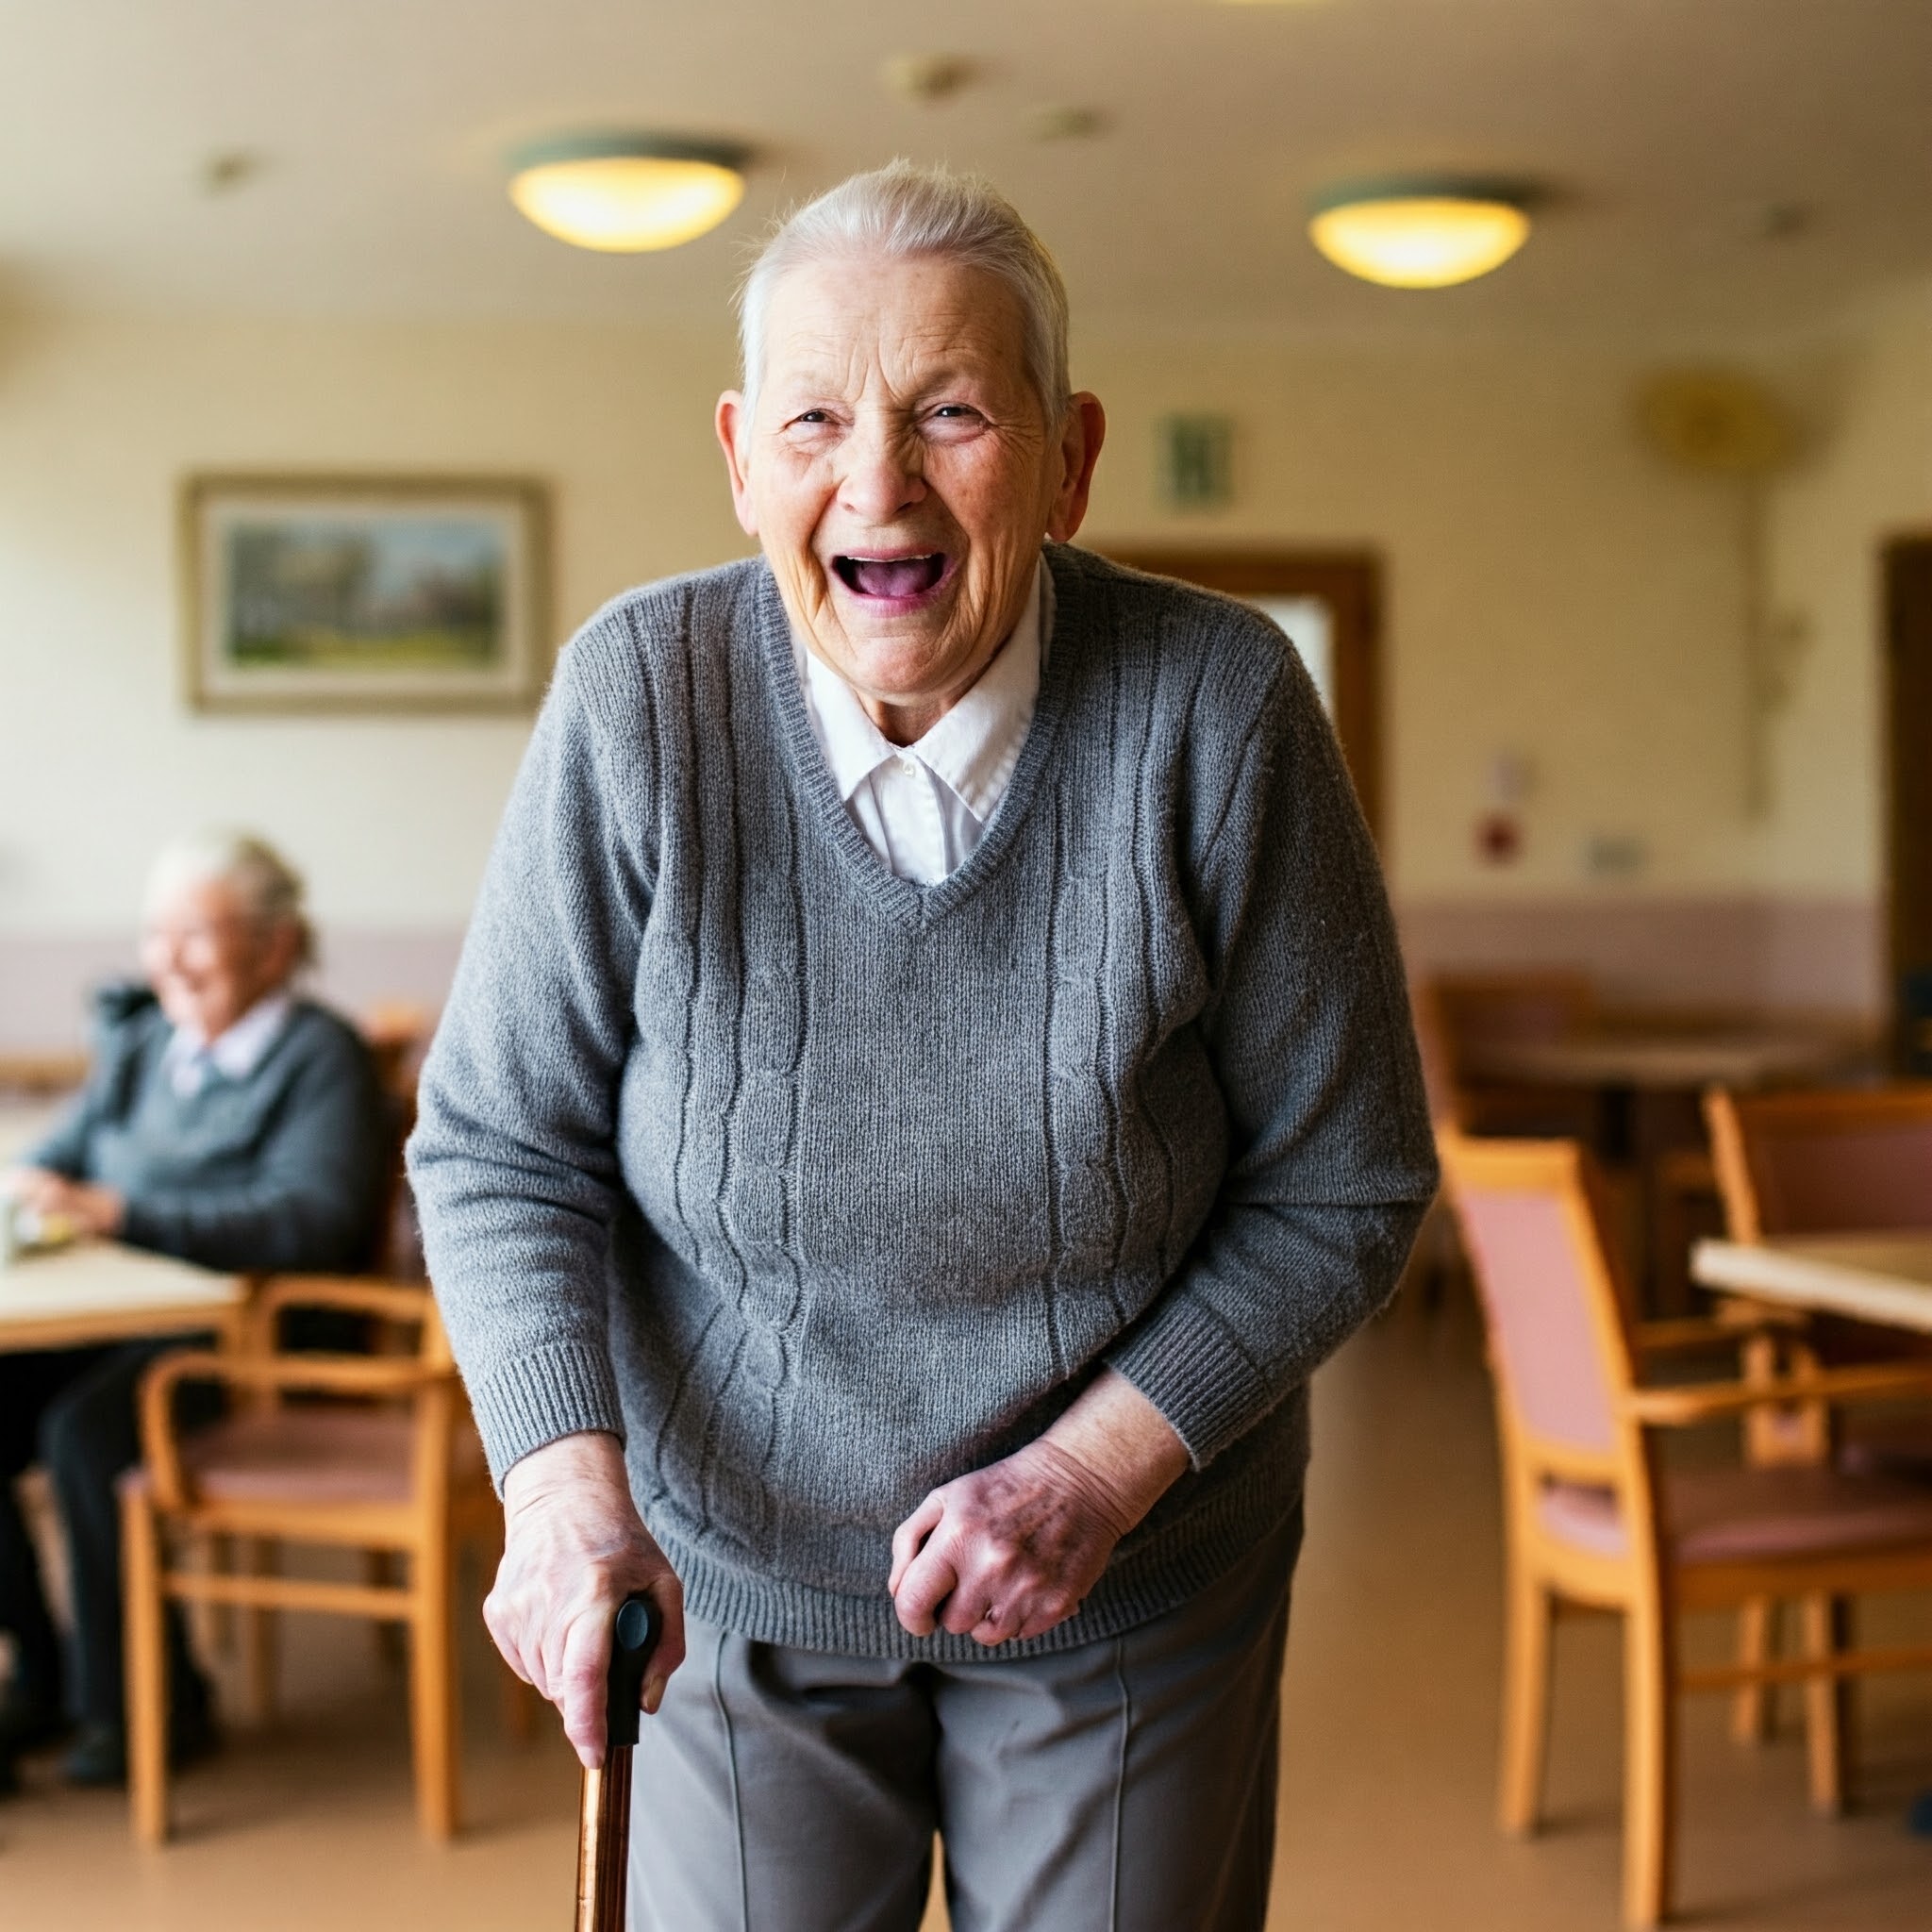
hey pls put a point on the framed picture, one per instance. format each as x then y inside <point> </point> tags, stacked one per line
<point>364,594</point>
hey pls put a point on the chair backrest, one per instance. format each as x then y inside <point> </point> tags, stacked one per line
<point>1824,1163</point>
<point>1531,1214</point>
<point>1513,1008</point>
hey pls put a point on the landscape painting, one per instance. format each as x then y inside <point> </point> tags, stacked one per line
<point>360,595</point>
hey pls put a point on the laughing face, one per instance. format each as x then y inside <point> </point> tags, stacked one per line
<point>901,474</point>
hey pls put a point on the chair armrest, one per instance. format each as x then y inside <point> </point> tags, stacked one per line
<point>1734,1322</point>
<point>1710,1401</point>
<point>333,1374</point>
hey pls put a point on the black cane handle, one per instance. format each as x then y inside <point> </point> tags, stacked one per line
<point>633,1639</point>
<point>604,1830</point>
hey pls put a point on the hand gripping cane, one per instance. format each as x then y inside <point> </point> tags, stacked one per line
<point>604,1832</point>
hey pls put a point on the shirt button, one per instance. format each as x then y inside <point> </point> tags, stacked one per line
<point>910,766</point>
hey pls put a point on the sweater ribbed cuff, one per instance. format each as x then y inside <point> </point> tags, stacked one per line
<point>565,1389</point>
<point>1189,1364</point>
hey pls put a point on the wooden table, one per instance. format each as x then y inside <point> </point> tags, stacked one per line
<point>1646,1084</point>
<point>1659,1062</point>
<point>1886,1278</point>
<point>101,1291</point>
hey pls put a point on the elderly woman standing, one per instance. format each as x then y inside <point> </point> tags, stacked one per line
<point>928,1081</point>
<point>224,1122</point>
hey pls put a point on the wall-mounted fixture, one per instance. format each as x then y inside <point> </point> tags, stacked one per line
<point>624,193</point>
<point>1421,231</point>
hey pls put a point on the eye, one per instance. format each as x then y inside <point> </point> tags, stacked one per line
<point>811,417</point>
<point>956,413</point>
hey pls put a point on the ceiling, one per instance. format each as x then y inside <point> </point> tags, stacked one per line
<point>1664,130</point>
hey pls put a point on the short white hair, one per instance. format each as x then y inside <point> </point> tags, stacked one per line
<point>902,211</point>
<point>270,889</point>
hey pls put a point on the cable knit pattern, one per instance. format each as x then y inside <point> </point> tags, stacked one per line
<point>822,1188</point>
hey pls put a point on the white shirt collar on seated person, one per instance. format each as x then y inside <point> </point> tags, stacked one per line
<point>234,1054</point>
<point>924,807</point>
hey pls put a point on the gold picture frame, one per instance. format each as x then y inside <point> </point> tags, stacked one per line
<point>364,594</point>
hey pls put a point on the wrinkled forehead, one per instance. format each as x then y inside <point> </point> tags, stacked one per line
<point>858,320</point>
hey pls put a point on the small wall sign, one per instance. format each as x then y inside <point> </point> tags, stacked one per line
<point>1196,467</point>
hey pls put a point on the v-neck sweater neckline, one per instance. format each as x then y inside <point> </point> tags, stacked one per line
<point>905,902</point>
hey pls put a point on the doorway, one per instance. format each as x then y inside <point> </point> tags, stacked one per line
<point>1907,697</point>
<point>1329,603</point>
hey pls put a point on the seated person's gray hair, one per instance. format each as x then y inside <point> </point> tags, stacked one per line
<point>903,211</point>
<point>270,889</point>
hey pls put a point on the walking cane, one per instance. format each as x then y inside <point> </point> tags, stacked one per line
<point>604,1830</point>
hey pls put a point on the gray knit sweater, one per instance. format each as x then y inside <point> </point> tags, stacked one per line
<point>822,1188</point>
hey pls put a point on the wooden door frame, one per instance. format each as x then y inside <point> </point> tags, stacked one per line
<point>1350,583</point>
<point>1907,837</point>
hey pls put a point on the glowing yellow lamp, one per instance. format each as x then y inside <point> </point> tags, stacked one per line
<point>1419,233</point>
<point>624,193</point>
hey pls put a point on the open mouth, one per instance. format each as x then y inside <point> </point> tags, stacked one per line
<point>891,577</point>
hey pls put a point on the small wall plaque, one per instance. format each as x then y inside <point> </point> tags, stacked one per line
<point>1197,461</point>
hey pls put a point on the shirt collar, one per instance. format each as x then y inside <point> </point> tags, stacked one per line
<point>236,1052</point>
<point>973,749</point>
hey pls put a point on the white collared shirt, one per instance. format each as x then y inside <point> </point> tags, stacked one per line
<point>235,1052</point>
<point>924,807</point>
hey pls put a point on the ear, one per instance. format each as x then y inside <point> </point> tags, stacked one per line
<point>1081,435</point>
<point>733,423</point>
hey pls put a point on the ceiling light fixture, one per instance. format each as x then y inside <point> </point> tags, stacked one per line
<point>1421,231</point>
<point>624,193</point>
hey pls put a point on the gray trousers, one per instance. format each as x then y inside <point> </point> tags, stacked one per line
<point>1124,1786</point>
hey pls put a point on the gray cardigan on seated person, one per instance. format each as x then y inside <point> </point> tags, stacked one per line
<point>284,1169</point>
<point>821,1188</point>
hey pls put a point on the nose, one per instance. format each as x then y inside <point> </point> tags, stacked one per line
<point>883,474</point>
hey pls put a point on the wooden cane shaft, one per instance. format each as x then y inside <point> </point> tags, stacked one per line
<point>604,1845</point>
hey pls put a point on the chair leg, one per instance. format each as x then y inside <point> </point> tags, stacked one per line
<point>262,1635</point>
<point>1826,1699</point>
<point>1649,1763</point>
<point>379,1570</point>
<point>145,1661</point>
<point>1753,1707</point>
<point>1526,1703</point>
<point>432,1694</point>
<point>219,1618</point>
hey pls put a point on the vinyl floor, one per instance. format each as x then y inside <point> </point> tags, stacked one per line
<point>1388,1756</point>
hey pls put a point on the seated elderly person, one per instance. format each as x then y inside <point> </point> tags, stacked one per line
<point>225,1122</point>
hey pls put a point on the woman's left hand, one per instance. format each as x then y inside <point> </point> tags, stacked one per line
<point>1010,1550</point>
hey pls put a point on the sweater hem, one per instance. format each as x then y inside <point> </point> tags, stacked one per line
<point>1182,1559</point>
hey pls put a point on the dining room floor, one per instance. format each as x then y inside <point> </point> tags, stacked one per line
<point>1388,1756</point>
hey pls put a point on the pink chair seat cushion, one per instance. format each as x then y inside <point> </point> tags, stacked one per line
<point>1735,1515</point>
<point>303,1454</point>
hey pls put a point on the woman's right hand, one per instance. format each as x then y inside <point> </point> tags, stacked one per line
<point>573,1548</point>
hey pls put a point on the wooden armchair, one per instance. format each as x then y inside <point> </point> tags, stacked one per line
<point>1594,1517</point>
<point>1821,1161</point>
<point>375,1454</point>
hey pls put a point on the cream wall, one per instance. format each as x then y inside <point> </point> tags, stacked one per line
<point>1866,475</point>
<point>1550,593</point>
<point>391,817</point>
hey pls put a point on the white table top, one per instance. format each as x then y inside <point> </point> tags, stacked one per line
<point>1687,1060</point>
<point>1872,1277</point>
<point>101,1291</point>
